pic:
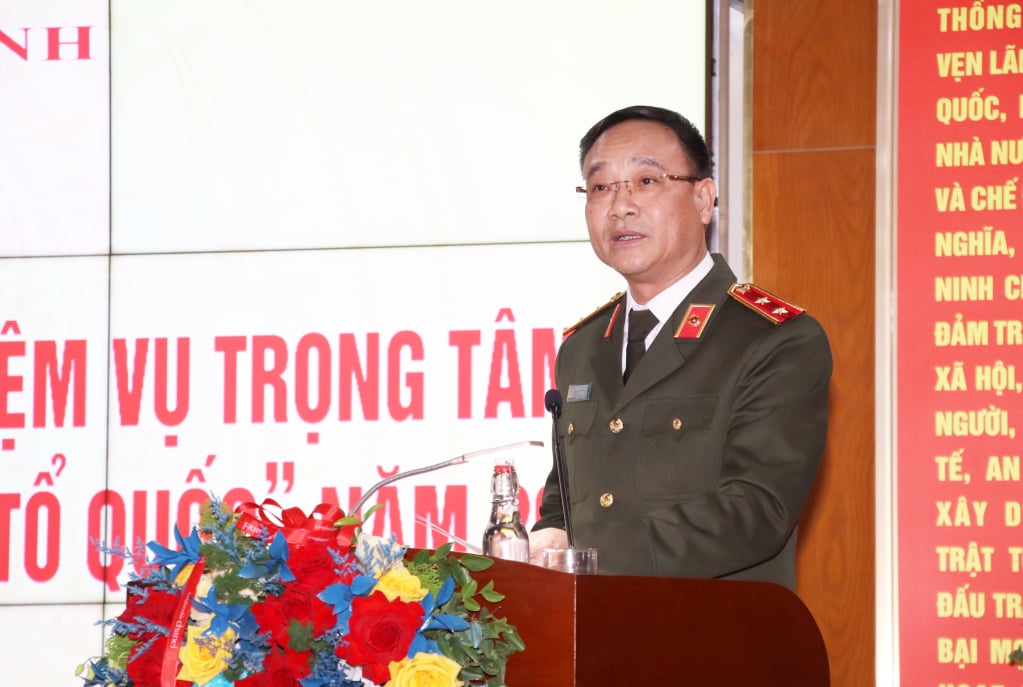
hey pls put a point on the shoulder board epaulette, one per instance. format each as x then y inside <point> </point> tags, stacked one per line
<point>763,303</point>
<point>614,299</point>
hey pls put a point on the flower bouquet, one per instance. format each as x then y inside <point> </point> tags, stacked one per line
<point>255,600</point>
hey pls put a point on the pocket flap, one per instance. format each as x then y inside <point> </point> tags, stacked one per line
<point>577,418</point>
<point>678,414</point>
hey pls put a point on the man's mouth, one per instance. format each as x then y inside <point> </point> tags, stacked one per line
<point>625,236</point>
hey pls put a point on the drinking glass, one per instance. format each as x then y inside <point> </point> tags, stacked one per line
<point>570,560</point>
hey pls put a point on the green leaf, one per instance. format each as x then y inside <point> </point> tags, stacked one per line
<point>490,663</point>
<point>461,576</point>
<point>489,594</point>
<point>345,522</point>
<point>300,635</point>
<point>469,588</point>
<point>476,633</point>
<point>442,552</point>
<point>514,641</point>
<point>476,563</point>
<point>447,644</point>
<point>471,604</point>
<point>471,674</point>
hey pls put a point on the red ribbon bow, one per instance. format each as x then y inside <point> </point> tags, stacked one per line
<point>297,527</point>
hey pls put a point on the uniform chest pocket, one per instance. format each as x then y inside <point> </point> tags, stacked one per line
<point>676,416</point>
<point>575,433</point>
<point>678,457</point>
<point>577,420</point>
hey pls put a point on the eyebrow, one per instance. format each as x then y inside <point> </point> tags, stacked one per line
<point>647,161</point>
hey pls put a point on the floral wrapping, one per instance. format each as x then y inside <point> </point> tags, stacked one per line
<point>252,600</point>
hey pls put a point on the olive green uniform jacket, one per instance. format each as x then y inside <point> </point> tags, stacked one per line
<point>700,465</point>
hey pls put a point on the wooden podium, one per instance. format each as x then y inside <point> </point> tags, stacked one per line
<point>606,630</point>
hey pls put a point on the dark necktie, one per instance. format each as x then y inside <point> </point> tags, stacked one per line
<point>641,323</point>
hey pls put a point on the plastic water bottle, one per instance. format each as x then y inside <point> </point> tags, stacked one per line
<point>505,536</point>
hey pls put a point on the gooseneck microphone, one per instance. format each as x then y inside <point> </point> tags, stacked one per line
<point>437,466</point>
<point>552,401</point>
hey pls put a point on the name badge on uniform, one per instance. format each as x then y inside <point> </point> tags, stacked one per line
<point>579,392</point>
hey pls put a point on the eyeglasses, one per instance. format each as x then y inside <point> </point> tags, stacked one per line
<point>646,185</point>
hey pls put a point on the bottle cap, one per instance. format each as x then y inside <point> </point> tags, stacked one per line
<point>504,464</point>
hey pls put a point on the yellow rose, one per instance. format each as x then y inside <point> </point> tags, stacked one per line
<point>205,580</point>
<point>184,574</point>
<point>400,584</point>
<point>203,657</point>
<point>425,670</point>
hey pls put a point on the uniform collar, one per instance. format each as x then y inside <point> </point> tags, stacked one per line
<point>664,304</point>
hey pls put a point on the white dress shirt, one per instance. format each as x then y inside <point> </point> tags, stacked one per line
<point>664,303</point>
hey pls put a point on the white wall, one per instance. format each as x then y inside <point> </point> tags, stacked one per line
<point>304,177</point>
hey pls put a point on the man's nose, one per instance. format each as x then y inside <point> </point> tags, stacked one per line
<point>622,202</point>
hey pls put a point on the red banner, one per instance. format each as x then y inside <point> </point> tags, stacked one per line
<point>960,342</point>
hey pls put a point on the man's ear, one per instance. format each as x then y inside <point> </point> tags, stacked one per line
<point>706,192</point>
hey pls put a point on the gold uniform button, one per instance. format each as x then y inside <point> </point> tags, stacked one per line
<point>616,425</point>
<point>676,424</point>
<point>606,499</point>
<point>571,428</point>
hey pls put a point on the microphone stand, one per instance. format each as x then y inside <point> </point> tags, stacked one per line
<point>437,466</point>
<point>553,400</point>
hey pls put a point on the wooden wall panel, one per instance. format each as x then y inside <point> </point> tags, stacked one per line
<point>813,175</point>
<point>814,73</point>
<point>816,255</point>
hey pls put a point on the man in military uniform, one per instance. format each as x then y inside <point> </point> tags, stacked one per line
<point>695,409</point>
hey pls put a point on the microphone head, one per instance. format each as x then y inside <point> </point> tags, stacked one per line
<point>552,401</point>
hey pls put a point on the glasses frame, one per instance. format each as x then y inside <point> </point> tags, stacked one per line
<point>616,185</point>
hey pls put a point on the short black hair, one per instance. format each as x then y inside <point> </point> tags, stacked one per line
<point>688,135</point>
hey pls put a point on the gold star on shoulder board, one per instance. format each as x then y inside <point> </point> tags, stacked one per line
<point>765,304</point>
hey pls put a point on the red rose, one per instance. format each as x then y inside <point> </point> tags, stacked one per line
<point>156,606</point>
<point>146,668</point>
<point>159,608</point>
<point>270,618</point>
<point>299,663</point>
<point>313,564</point>
<point>280,670</point>
<point>275,614</point>
<point>380,631</point>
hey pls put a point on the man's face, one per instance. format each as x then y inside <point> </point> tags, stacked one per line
<point>651,230</point>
